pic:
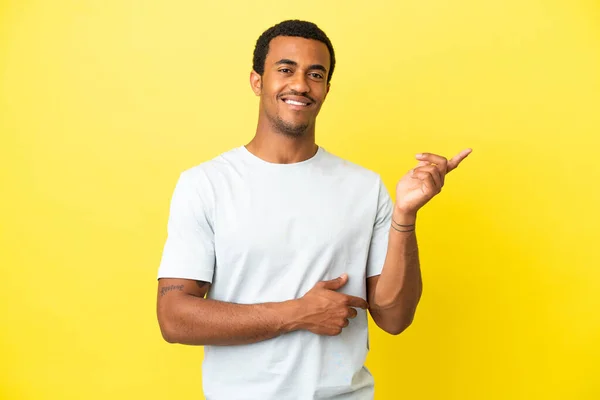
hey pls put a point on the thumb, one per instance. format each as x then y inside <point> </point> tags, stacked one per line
<point>336,283</point>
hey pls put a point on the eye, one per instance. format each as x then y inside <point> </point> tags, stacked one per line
<point>316,75</point>
<point>285,70</point>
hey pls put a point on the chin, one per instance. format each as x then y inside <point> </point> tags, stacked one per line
<point>293,132</point>
<point>291,128</point>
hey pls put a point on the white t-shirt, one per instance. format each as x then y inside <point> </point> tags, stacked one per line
<point>264,232</point>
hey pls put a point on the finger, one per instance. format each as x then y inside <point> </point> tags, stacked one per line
<point>435,173</point>
<point>457,159</point>
<point>441,163</point>
<point>427,164</point>
<point>352,313</point>
<point>427,180</point>
<point>432,158</point>
<point>336,283</point>
<point>346,323</point>
<point>357,302</point>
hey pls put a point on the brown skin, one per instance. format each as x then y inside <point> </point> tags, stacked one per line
<point>394,295</point>
<point>305,80</point>
<point>186,317</point>
<point>296,69</point>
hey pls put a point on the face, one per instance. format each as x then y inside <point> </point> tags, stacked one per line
<point>294,84</point>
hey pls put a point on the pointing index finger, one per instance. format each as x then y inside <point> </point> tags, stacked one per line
<point>454,161</point>
<point>358,302</point>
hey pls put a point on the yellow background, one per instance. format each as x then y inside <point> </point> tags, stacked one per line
<point>104,103</point>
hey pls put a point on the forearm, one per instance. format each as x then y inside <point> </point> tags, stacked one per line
<point>399,287</point>
<point>192,320</point>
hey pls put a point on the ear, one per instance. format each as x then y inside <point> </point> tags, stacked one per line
<point>256,82</point>
<point>327,91</point>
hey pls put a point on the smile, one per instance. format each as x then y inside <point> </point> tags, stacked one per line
<point>295,103</point>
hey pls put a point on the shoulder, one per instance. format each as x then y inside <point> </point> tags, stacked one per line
<point>213,168</point>
<point>358,180</point>
<point>351,170</point>
<point>200,182</point>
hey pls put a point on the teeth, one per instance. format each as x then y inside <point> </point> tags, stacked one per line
<point>296,103</point>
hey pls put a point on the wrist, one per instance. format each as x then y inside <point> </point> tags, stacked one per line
<point>404,218</point>
<point>288,312</point>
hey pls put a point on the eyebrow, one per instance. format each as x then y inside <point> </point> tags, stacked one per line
<point>286,61</point>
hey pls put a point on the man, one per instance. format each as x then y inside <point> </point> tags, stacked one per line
<point>290,244</point>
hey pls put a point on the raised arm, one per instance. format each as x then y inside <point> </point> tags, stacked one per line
<point>395,294</point>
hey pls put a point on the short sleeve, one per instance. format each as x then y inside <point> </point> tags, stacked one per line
<point>189,248</point>
<point>381,230</point>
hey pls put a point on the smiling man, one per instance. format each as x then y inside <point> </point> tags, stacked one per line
<point>288,104</point>
<point>277,250</point>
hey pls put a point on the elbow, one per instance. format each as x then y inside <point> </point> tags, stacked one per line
<point>398,328</point>
<point>167,328</point>
<point>167,333</point>
<point>394,321</point>
<point>169,337</point>
<point>394,324</point>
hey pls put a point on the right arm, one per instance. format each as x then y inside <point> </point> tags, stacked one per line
<point>186,317</point>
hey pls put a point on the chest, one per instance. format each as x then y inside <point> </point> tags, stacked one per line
<point>286,235</point>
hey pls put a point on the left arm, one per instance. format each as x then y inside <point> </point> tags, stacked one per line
<point>393,295</point>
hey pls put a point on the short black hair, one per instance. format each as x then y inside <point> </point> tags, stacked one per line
<point>295,28</point>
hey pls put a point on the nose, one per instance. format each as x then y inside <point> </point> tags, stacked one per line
<point>299,84</point>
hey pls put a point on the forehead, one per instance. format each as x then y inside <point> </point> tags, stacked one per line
<point>298,49</point>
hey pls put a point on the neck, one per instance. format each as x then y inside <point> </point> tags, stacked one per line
<point>275,147</point>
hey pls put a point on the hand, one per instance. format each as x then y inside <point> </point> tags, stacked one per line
<point>324,311</point>
<point>424,181</point>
